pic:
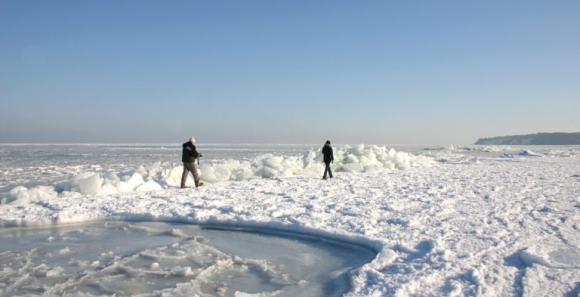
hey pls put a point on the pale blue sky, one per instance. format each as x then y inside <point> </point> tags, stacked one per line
<point>413,72</point>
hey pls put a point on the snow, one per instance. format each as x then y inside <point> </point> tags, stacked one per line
<point>452,221</point>
<point>156,177</point>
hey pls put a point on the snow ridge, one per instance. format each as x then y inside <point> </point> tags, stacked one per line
<point>159,176</point>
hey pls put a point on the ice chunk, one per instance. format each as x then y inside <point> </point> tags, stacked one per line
<point>23,194</point>
<point>529,153</point>
<point>89,184</point>
<point>64,252</point>
<point>149,186</point>
<point>108,189</point>
<point>131,184</point>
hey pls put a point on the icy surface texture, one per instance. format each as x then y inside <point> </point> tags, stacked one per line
<point>483,221</point>
<point>159,259</point>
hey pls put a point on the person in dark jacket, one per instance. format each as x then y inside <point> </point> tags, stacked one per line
<point>328,158</point>
<point>189,158</point>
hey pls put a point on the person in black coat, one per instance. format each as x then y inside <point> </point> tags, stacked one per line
<point>328,158</point>
<point>189,158</point>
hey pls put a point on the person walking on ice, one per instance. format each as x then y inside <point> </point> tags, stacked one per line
<point>328,158</point>
<point>189,157</point>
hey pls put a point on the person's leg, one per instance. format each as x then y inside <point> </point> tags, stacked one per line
<point>184,176</point>
<point>190,167</point>
<point>195,174</point>
<point>325,170</point>
<point>329,170</point>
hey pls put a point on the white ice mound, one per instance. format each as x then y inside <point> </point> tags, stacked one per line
<point>23,194</point>
<point>529,153</point>
<point>88,183</point>
<point>358,158</point>
<point>159,176</point>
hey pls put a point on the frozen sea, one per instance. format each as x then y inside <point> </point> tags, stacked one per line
<point>437,220</point>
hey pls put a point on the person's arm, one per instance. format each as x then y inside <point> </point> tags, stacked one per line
<point>194,152</point>
<point>197,155</point>
<point>331,156</point>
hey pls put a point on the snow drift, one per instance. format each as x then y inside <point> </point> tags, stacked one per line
<point>160,176</point>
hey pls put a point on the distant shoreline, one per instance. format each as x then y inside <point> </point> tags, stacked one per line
<point>556,138</point>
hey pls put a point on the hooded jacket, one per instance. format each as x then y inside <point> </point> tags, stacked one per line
<point>327,152</point>
<point>189,153</point>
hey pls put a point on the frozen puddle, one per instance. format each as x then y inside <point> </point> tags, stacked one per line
<point>163,259</point>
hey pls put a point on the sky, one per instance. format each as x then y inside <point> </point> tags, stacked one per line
<point>300,71</point>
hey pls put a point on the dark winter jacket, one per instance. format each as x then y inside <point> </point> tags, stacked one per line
<point>328,155</point>
<point>189,153</point>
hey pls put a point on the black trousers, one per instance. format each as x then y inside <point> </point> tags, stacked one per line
<point>327,169</point>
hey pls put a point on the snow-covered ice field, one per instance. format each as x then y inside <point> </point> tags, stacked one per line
<point>445,221</point>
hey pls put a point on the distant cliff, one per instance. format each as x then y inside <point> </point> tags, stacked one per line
<point>533,139</point>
